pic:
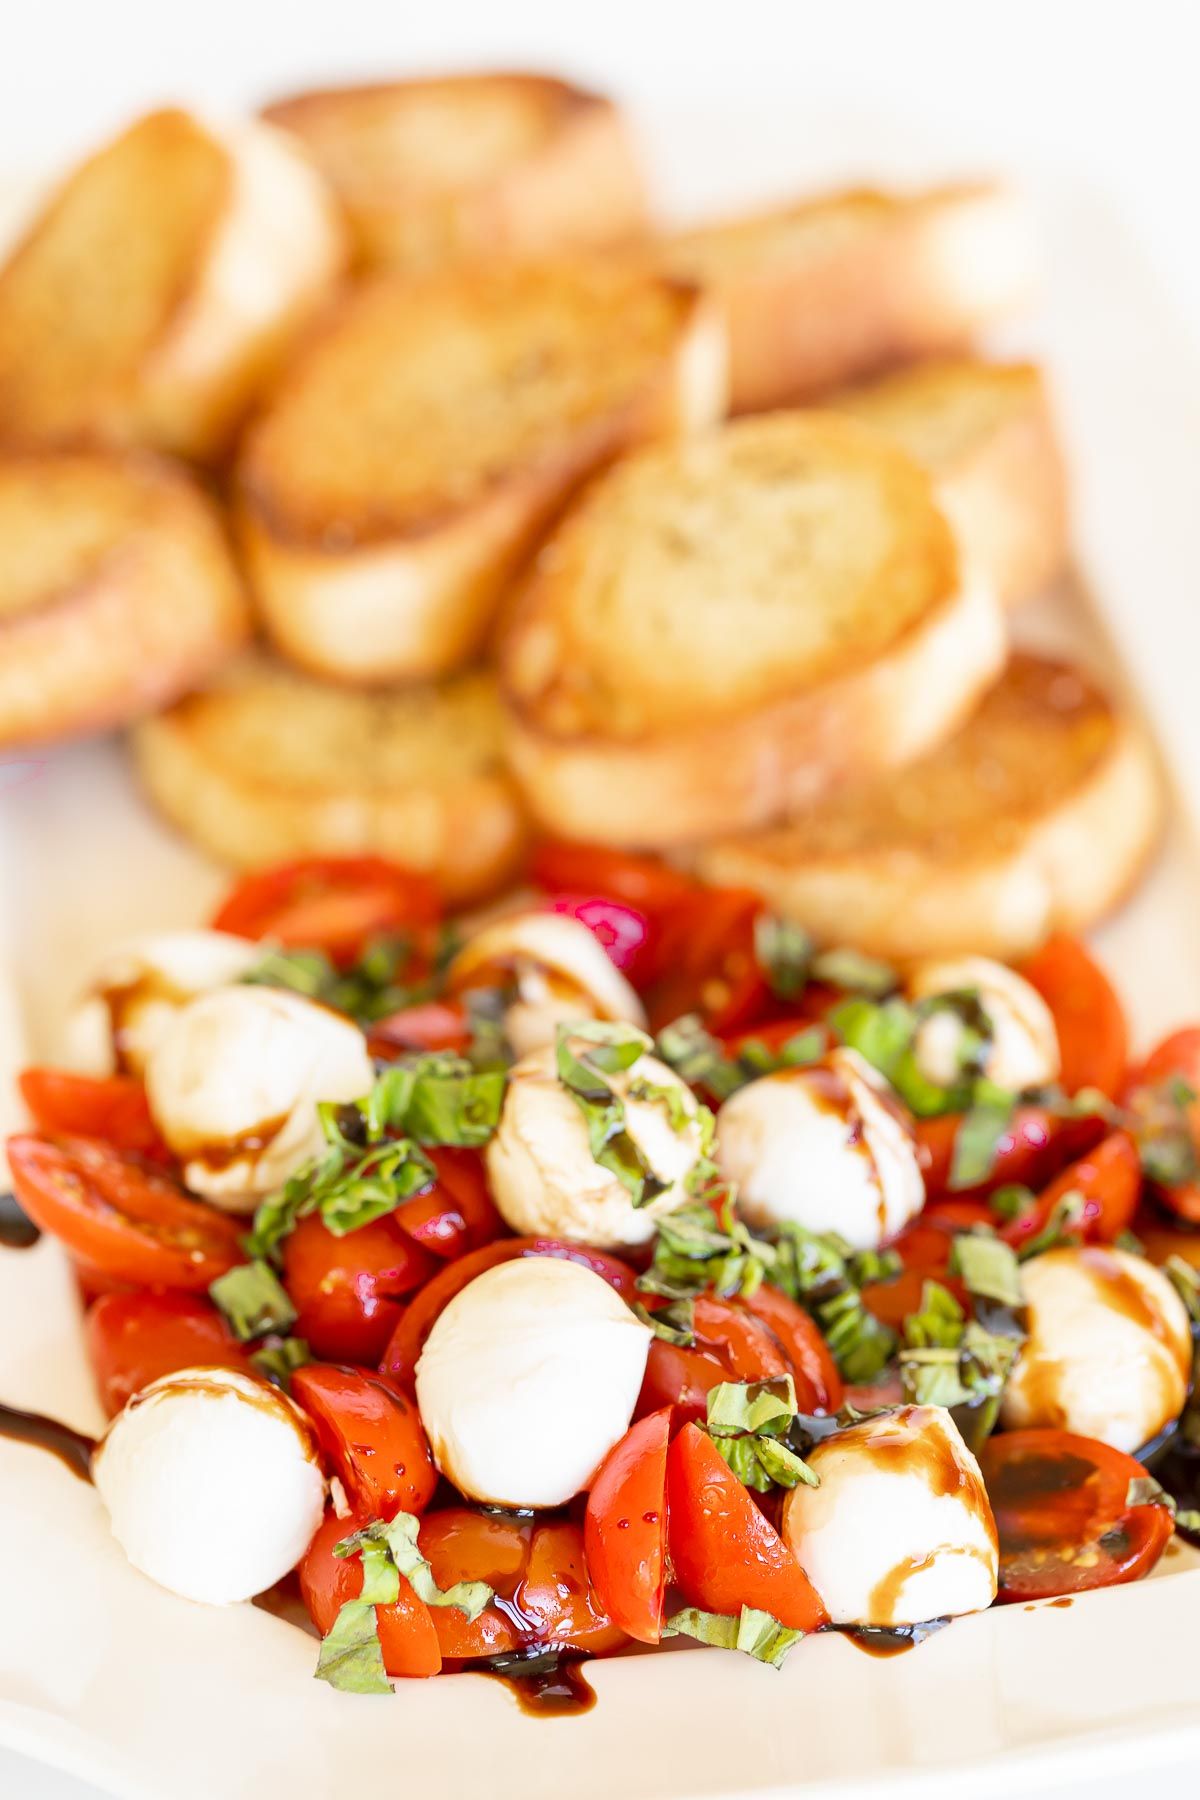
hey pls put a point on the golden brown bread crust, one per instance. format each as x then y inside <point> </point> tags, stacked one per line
<point>419,446</point>
<point>120,592</point>
<point>830,290</point>
<point>986,434</point>
<point>266,765</point>
<point>468,168</point>
<point>1038,816</point>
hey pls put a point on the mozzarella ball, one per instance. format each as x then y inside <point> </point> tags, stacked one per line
<point>528,1379</point>
<point>212,1484</point>
<point>1109,1350</point>
<point>827,1147</point>
<point>544,1178</point>
<point>900,1529</point>
<point>233,1084</point>
<point>555,969</point>
<point>1023,1051</point>
<point>138,989</point>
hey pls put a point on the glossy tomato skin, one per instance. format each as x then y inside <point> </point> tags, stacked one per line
<point>1030,1151</point>
<point>346,1290</point>
<point>329,903</point>
<point>1092,1036</point>
<point>408,1340</point>
<point>623,932</point>
<point>556,1596</point>
<point>725,1554</point>
<point>456,1214</point>
<point>113,1108</point>
<point>1176,1058</point>
<point>406,1634</point>
<point>1060,1504</point>
<point>123,1216</point>
<point>625,1528</point>
<point>132,1339</point>
<point>818,1383</point>
<point>645,883</point>
<point>434,1025</point>
<point>730,1344</point>
<point>371,1435</point>
<point>1109,1181</point>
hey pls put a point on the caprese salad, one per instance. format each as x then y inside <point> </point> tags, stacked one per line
<point>620,1267</point>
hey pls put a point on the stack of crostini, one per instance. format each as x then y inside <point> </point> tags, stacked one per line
<point>405,488</point>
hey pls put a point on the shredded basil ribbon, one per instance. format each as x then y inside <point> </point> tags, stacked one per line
<point>699,1059</point>
<point>371,989</point>
<point>755,1633</point>
<point>253,1300</point>
<point>747,1421</point>
<point>588,1053</point>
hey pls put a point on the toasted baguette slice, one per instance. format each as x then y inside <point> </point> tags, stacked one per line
<point>466,168</point>
<point>725,627</point>
<point>833,289</point>
<point>985,433</point>
<point>417,450</point>
<point>267,764</point>
<point>150,298</point>
<point>1037,817</point>
<point>117,592</point>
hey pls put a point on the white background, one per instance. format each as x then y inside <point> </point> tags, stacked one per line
<point>1102,98</point>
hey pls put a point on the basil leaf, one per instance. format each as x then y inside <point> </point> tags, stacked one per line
<point>369,990</point>
<point>253,1300</point>
<point>697,1058</point>
<point>885,1036</point>
<point>751,1406</point>
<point>752,1631</point>
<point>351,1657</point>
<point>437,1098</point>
<point>278,1357</point>
<point>782,1465</point>
<point>1186,1282</point>
<point>400,1536</point>
<point>816,1271</point>
<point>784,952</point>
<point>1012,1201</point>
<point>716,1629</point>
<point>854,973</point>
<point>610,1048</point>
<point>741,1454</point>
<point>693,1254</point>
<point>1062,1227</point>
<point>988,1267</point>
<point>673,1324</point>
<point>939,1324</point>
<point>979,1135</point>
<point>307,972</point>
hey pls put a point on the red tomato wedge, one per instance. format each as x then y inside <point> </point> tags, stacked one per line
<point>1092,1038</point>
<point>1031,1150</point>
<point>818,1383</point>
<point>725,1554</point>
<point>456,1214</point>
<point>556,1597</point>
<point>436,1025</point>
<point>408,1340</point>
<point>1176,1058</point>
<point>330,903</point>
<point>373,1437</point>
<point>1109,1179</point>
<point>645,883</point>
<point>711,968</point>
<point>1062,1512</point>
<point>127,1219</point>
<point>113,1109</point>
<point>132,1339</point>
<point>730,1345</point>
<point>625,1528</point>
<point>623,931</point>
<point>406,1632</point>
<point>346,1290</point>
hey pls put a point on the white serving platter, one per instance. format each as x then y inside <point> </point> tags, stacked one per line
<point>143,1695</point>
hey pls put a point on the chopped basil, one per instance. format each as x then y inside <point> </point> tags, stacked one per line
<point>752,1406</point>
<point>784,953</point>
<point>697,1058</point>
<point>1186,1282</point>
<point>988,1267</point>
<point>253,1300</point>
<point>979,1135</point>
<point>278,1357</point>
<point>1062,1227</point>
<point>818,1271</point>
<point>940,1322</point>
<point>752,1631</point>
<point>854,973</point>
<point>399,1534</point>
<point>1012,1201</point>
<point>948,1361</point>
<point>673,1324</point>
<point>587,1053</point>
<point>694,1254</point>
<point>437,1098</point>
<point>370,989</point>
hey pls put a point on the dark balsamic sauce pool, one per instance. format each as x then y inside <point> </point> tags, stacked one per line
<point>17,1229</point>
<point>73,1448</point>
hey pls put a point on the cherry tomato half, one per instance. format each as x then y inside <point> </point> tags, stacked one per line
<point>625,1528</point>
<point>1109,1180</point>
<point>818,1383</point>
<point>372,1435</point>
<point>726,1555</point>
<point>346,1289</point>
<point>1060,1503</point>
<point>623,932</point>
<point>456,1214</point>
<point>1176,1058</point>
<point>1092,1039</point>
<point>330,903</point>
<point>1033,1147</point>
<point>113,1109</point>
<point>406,1632</point>
<point>709,954</point>
<point>730,1345</point>
<point>132,1339</point>
<point>408,1340</point>
<point>435,1025</point>
<point>650,886</point>
<point>129,1220</point>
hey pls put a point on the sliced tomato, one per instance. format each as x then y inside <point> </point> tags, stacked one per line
<point>1092,1037</point>
<point>556,1598</point>
<point>645,883</point>
<point>1176,1058</point>
<point>330,903</point>
<point>462,1544</point>
<point>818,1383</point>
<point>1060,1503</point>
<point>456,1214</point>
<point>730,1345</point>
<point>1109,1180</point>
<point>346,1290</point>
<point>624,932</point>
<point>408,1339</point>
<point>625,1528</point>
<point>372,1436</point>
<point>435,1025</point>
<point>113,1211</point>
<point>709,955</point>
<point>406,1634</point>
<point>725,1554</point>
<point>132,1339</point>
<point>113,1109</point>
<point>1031,1150</point>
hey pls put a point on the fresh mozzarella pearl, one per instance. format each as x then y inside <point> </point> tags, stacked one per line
<point>1109,1350</point>
<point>138,989</point>
<point>234,1081</point>
<point>544,1178</point>
<point>900,1529</point>
<point>527,1379</point>
<point>557,970</point>
<point>1023,1052</point>
<point>212,1484</point>
<point>827,1147</point>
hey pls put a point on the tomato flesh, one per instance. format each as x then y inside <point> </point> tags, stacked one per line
<point>1109,1181</point>
<point>113,1109</point>
<point>133,1339</point>
<point>1061,1513</point>
<point>435,1025</point>
<point>625,1528</point>
<point>330,903</point>
<point>406,1633</point>
<point>1092,1038</point>
<point>1031,1150</point>
<point>346,1290</point>
<point>730,1345</point>
<point>372,1436</point>
<point>120,1215</point>
<point>456,1214</point>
